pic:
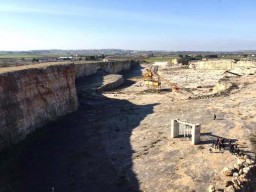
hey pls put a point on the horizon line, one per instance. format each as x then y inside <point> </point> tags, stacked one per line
<point>126,50</point>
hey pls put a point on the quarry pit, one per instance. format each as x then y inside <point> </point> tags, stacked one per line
<point>86,139</point>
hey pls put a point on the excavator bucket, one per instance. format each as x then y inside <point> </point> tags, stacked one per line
<point>175,88</point>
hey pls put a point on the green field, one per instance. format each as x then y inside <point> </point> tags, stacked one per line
<point>19,55</point>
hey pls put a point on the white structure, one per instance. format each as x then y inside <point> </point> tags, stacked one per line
<point>187,129</point>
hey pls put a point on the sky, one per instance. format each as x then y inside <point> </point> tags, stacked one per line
<point>173,25</point>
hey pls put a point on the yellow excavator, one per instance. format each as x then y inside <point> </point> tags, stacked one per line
<point>150,80</point>
<point>153,80</point>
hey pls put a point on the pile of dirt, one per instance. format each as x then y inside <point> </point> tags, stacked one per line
<point>223,86</point>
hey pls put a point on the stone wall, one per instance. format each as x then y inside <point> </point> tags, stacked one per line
<point>111,82</point>
<point>221,64</point>
<point>246,64</point>
<point>29,98</point>
<point>108,67</point>
<point>34,95</point>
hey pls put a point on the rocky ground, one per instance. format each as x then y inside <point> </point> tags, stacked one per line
<point>165,164</point>
<point>120,140</point>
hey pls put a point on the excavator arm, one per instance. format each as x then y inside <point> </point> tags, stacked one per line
<point>174,86</point>
<point>153,72</point>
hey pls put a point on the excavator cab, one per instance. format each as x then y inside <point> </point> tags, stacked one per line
<point>148,74</point>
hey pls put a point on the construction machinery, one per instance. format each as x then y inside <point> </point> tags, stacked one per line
<point>153,80</point>
<point>150,80</point>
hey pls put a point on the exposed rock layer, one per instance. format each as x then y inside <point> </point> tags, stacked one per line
<point>221,64</point>
<point>108,67</point>
<point>111,82</point>
<point>29,98</point>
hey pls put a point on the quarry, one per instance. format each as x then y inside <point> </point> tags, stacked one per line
<point>98,126</point>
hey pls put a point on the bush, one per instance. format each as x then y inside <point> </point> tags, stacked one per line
<point>35,60</point>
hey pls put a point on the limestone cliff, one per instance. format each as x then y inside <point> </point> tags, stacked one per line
<point>111,82</point>
<point>31,96</point>
<point>221,64</point>
<point>246,63</point>
<point>108,67</point>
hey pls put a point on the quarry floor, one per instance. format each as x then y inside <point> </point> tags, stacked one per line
<point>120,140</point>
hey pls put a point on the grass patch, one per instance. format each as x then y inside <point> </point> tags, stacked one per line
<point>17,56</point>
<point>29,56</point>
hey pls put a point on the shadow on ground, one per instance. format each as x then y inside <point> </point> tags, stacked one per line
<point>89,150</point>
<point>207,139</point>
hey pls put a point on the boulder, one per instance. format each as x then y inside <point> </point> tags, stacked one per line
<point>235,181</point>
<point>246,157</point>
<point>228,183</point>
<point>246,170</point>
<point>242,179</point>
<point>236,166</point>
<point>238,181</point>
<point>211,188</point>
<point>227,171</point>
<point>252,166</point>
<point>235,174</point>
<point>240,161</point>
<point>249,161</point>
<point>237,187</point>
<point>229,189</point>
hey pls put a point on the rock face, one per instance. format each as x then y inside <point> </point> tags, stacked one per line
<point>240,161</point>
<point>30,97</point>
<point>87,69</point>
<point>211,188</point>
<point>227,171</point>
<point>111,82</point>
<point>246,63</point>
<point>229,189</point>
<point>221,64</point>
